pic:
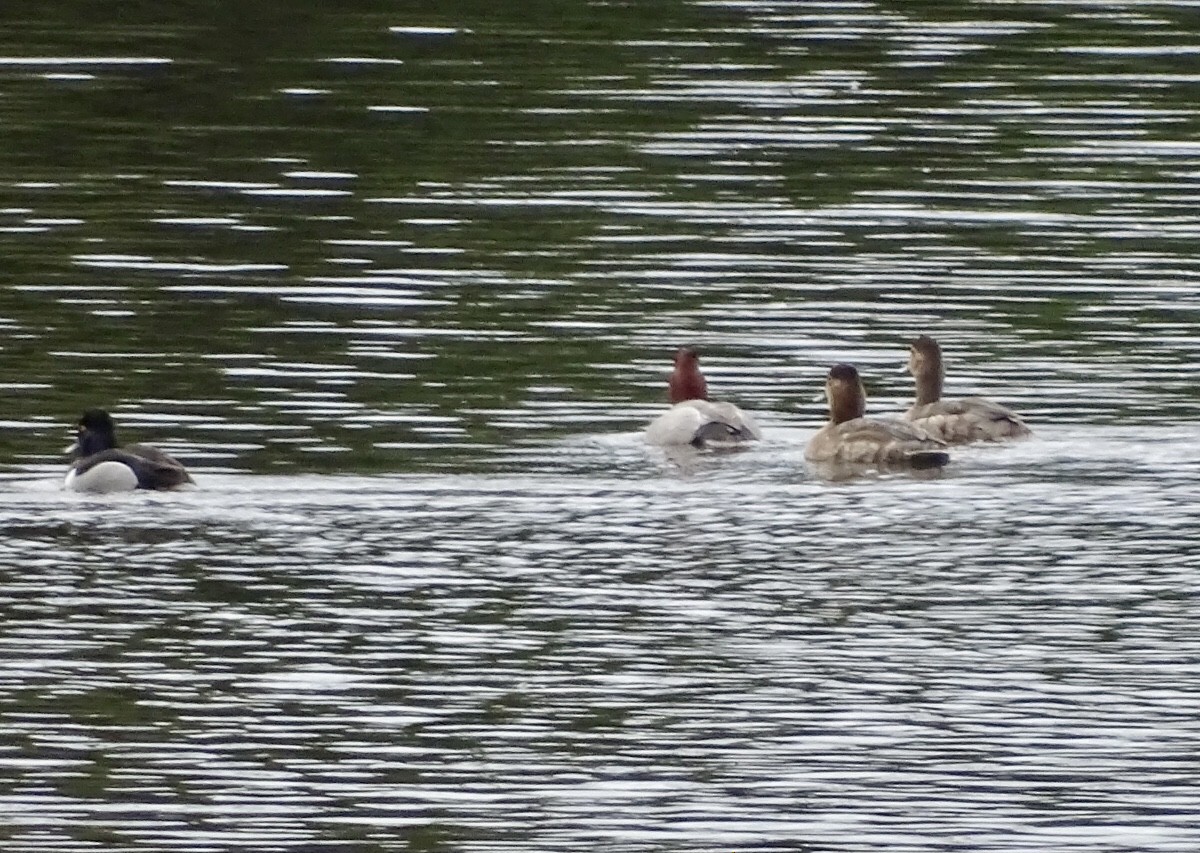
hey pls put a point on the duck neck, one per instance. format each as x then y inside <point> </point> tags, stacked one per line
<point>92,442</point>
<point>686,383</point>
<point>847,406</point>
<point>929,386</point>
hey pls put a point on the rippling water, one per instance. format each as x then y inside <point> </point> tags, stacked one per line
<point>726,655</point>
<point>401,288</point>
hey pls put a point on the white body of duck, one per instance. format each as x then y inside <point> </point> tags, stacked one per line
<point>700,423</point>
<point>101,478</point>
<point>851,438</point>
<point>958,421</point>
<point>694,419</point>
<point>101,466</point>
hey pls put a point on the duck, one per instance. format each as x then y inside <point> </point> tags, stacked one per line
<point>102,465</point>
<point>851,438</point>
<point>693,418</point>
<point>961,421</point>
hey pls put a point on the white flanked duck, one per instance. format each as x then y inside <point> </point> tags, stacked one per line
<point>957,421</point>
<point>102,465</point>
<point>694,419</point>
<point>851,438</point>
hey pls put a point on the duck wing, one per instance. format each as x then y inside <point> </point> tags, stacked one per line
<point>156,469</point>
<point>153,468</point>
<point>871,441</point>
<point>968,419</point>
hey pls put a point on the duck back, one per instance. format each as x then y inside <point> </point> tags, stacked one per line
<point>702,423</point>
<point>114,469</point>
<point>968,419</point>
<point>876,441</point>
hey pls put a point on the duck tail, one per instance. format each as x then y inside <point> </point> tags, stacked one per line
<point>719,433</point>
<point>921,459</point>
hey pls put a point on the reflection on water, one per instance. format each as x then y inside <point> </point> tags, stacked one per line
<point>678,654</point>
<point>448,229</point>
<point>401,285</point>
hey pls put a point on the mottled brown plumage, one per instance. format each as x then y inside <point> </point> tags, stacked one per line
<point>852,438</point>
<point>958,421</point>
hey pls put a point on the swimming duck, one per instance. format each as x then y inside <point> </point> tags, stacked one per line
<point>955,421</point>
<point>101,465</point>
<point>693,419</point>
<point>851,438</point>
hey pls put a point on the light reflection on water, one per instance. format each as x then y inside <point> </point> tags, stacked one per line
<point>716,651</point>
<point>451,270</point>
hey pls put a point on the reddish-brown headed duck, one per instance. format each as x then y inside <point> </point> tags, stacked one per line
<point>955,421</point>
<point>694,419</point>
<point>851,438</point>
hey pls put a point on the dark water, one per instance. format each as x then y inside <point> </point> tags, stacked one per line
<point>401,283</point>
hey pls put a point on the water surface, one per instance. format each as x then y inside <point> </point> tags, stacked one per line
<point>402,286</point>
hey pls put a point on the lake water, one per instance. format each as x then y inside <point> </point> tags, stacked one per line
<point>401,286</point>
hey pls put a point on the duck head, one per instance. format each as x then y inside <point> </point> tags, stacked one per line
<point>845,393</point>
<point>95,432</point>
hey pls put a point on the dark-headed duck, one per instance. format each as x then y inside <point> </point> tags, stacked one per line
<point>851,438</point>
<point>102,465</point>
